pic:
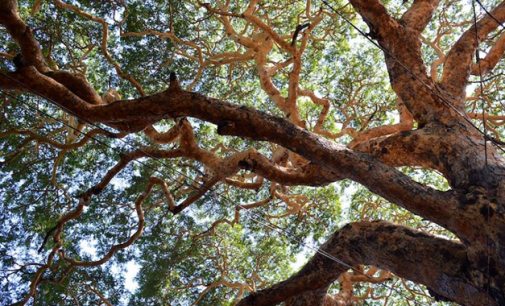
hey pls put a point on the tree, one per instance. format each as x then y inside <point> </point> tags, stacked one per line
<point>268,101</point>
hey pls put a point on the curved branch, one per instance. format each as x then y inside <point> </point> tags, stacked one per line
<point>398,249</point>
<point>459,60</point>
<point>117,247</point>
<point>374,13</point>
<point>419,14</point>
<point>78,84</point>
<point>105,31</point>
<point>406,123</point>
<point>22,35</point>
<point>492,58</point>
<point>250,123</point>
<point>163,138</point>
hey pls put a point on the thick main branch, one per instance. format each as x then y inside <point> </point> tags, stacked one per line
<point>249,123</point>
<point>398,249</point>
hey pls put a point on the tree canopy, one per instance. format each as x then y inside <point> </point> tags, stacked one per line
<point>252,152</point>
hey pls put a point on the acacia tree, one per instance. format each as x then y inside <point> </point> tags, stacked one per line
<point>300,106</point>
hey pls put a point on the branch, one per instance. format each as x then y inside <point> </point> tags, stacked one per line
<point>74,82</point>
<point>403,43</point>
<point>246,122</point>
<point>22,35</point>
<point>100,296</point>
<point>37,278</point>
<point>69,146</point>
<point>163,138</point>
<point>382,25</point>
<point>105,52</point>
<point>31,54</point>
<point>8,81</point>
<point>406,148</point>
<point>78,84</point>
<point>384,245</point>
<point>492,58</point>
<point>309,175</point>
<point>419,14</point>
<point>406,123</point>
<point>459,60</point>
<point>199,192</point>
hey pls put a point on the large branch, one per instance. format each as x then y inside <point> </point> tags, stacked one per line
<point>376,16</point>
<point>249,123</point>
<point>420,13</point>
<point>77,84</point>
<point>8,81</point>
<point>407,148</point>
<point>402,47</point>
<point>459,60</point>
<point>22,34</point>
<point>31,54</point>
<point>74,82</point>
<point>398,249</point>
<point>435,146</point>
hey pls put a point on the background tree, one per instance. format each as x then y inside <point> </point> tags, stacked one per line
<point>209,178</point>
